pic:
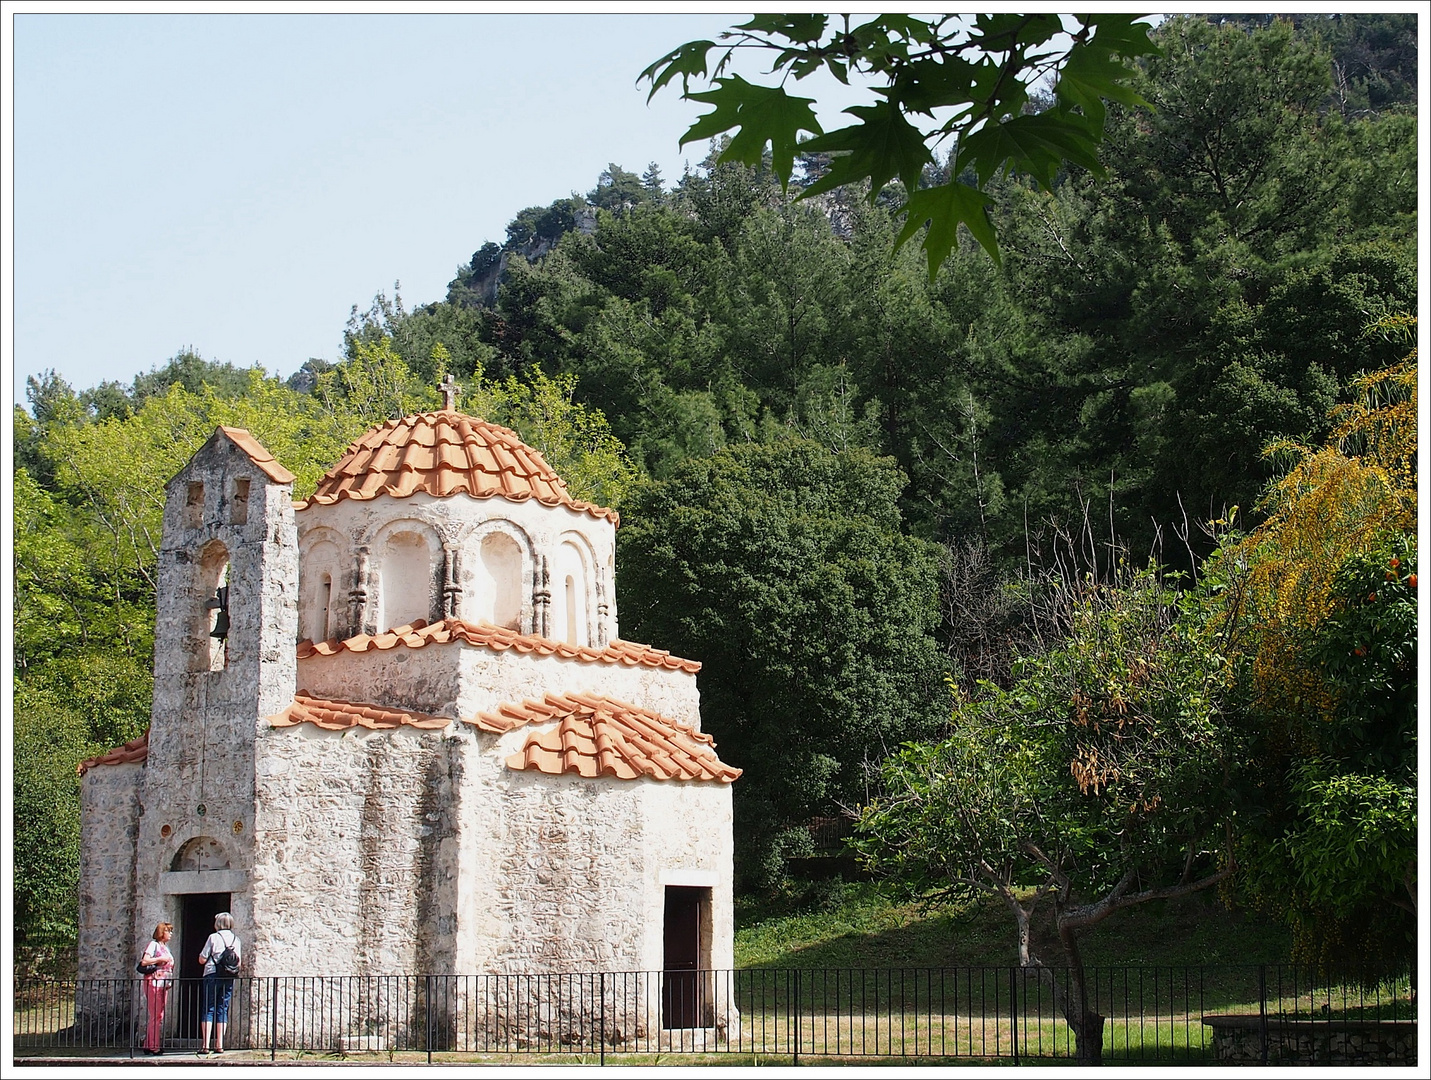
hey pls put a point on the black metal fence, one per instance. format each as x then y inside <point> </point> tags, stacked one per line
<point>1154,1014</point>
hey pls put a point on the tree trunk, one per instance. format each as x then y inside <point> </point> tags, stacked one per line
<point>1088,1037</point>
<point>1086,1023</point>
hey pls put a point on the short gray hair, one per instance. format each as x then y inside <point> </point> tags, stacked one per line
<point>223,921</point>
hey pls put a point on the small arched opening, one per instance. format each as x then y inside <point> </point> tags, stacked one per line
<point>408,578</point>
<point>499,594</point>
<point>317,620</point>
<point>572,584</point>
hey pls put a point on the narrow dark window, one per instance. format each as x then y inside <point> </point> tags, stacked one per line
<point>194,506</point>
<point>238,508</point>
<point>325,600</point>
<point>571,613</point>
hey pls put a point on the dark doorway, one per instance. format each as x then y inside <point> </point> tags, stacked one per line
<point>196,923</point>
<point>686,949</point>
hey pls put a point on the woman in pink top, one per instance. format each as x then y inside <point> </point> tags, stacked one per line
<point>156,985</point>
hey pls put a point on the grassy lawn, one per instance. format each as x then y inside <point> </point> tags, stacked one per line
<point>859,925</point>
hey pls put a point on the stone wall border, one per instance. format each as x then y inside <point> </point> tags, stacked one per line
<point>1237,1040</point>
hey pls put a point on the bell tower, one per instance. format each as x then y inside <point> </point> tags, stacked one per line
<point>227,622</point>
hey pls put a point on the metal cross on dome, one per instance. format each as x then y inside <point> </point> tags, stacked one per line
<point>450,390</point>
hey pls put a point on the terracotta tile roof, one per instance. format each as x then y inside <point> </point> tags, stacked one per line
<point>341,715</point>
<point>600,736</point>
<point>421,633</point>
<point>259,455</point>
<point>133,750</point>
<point>445,453</point>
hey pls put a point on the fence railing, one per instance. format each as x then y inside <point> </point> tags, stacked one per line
<point>1153,1013</point>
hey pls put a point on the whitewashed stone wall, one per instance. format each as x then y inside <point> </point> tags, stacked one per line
<point>355,864</point>
<point>460,680</point>
<point>350,543</point>
<point>412,851</point>
<point>564,873</point>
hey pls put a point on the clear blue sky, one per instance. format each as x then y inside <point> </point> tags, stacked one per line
<point>236,183</point>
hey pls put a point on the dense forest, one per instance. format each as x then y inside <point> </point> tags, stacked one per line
<point>846,486</point>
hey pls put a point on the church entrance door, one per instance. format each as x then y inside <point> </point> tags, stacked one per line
<point>682,999</point>
<point>196,923</point>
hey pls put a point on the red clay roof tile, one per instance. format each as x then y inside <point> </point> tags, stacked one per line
<point>601,736</point>
<point>420,633</point>
<point>341,715</point>
<point>133,750</point>
<point>441,454</point>
<point>259,455</point>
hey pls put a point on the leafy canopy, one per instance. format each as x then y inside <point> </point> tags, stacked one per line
<point>782,568</point>
<point>943,80</point>
<point>1322,597</point>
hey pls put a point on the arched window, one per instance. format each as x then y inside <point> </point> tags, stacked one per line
<point>570,583</point>
<point>317,575</point>
<point>499,591</point>
<point>408,580</point>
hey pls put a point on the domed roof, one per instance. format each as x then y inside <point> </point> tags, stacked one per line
<point>445,453</point>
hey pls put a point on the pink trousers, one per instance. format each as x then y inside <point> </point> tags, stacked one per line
<point>156,993</point>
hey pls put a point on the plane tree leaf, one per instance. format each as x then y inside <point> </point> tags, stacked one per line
<point>883,146</point>
<point>763,115</point>
<point>943,209</point>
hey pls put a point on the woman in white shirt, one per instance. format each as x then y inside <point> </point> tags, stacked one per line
<point>218,987</point>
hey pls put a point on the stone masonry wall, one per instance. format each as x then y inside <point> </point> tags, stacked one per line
<point>1237,1040</point>
<point>565,873</point>
<point>355,868</point>
<point>109,832</point>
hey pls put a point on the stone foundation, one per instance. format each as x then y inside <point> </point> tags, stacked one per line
<point>1237,1040</point>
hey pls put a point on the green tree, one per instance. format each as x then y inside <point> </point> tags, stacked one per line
<point>1085,784</point>
<point>1323,597</point>
<point>71,709</point>
<point>618,190</point>
<point>782,569</point>
<point>50,741</point>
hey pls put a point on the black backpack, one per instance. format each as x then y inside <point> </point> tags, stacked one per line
<point>226,964</point>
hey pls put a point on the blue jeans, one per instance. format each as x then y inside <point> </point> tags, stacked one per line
<point>217,992</point>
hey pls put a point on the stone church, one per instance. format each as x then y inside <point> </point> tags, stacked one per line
<point>396,730</point>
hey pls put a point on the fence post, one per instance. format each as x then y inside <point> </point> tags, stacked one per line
<point>1014,1009</point>
<point>133,1014</point>
<point>428,983</point>
<point>795,1018</point>
<point>601,1031</point>
<point>273,1018</point>
<point>1262,1006</point>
